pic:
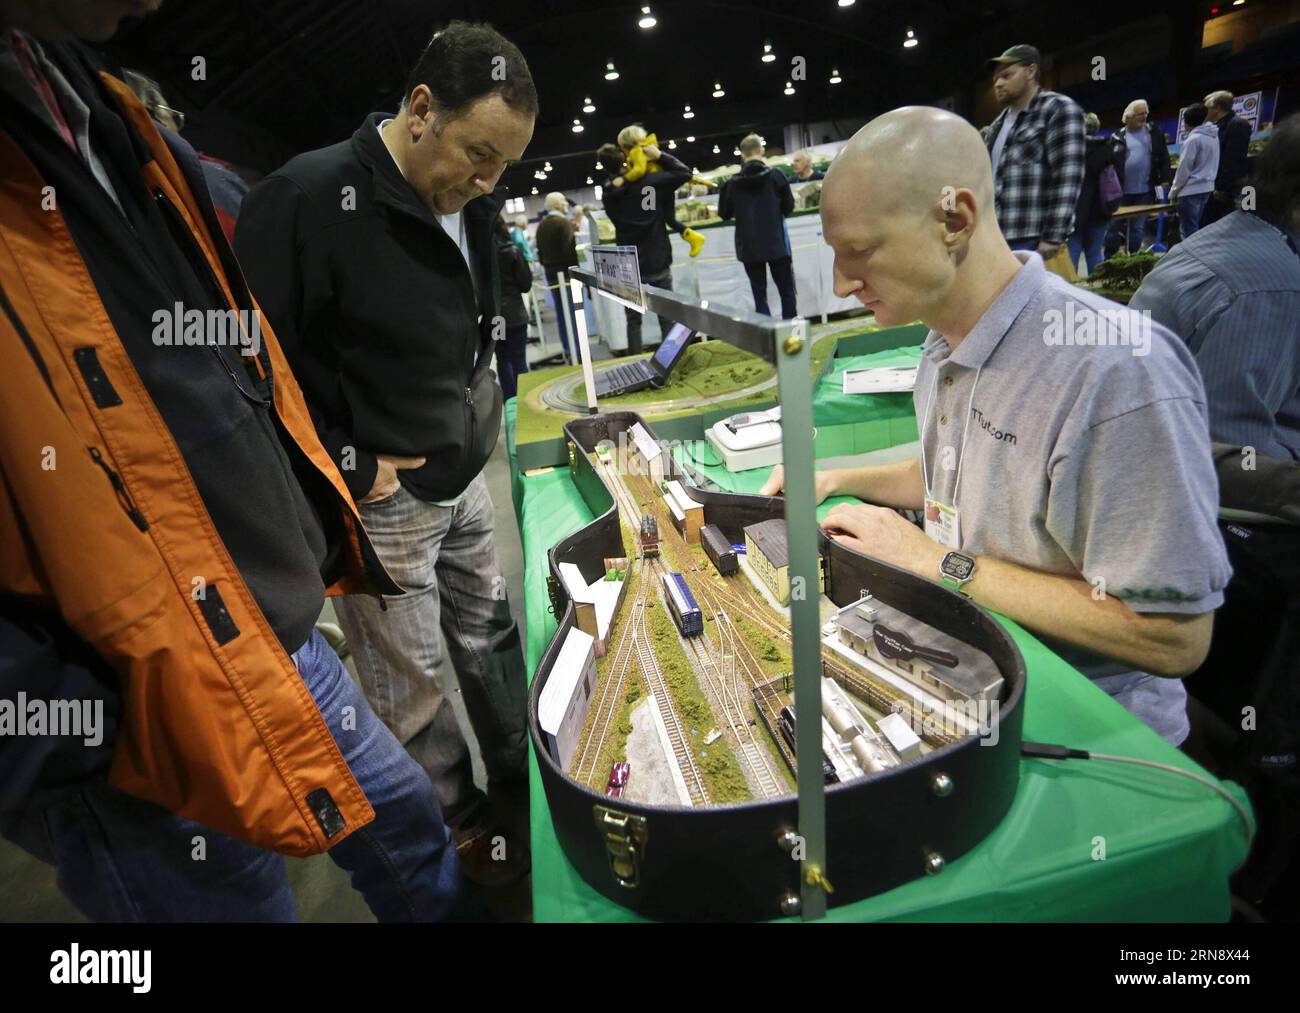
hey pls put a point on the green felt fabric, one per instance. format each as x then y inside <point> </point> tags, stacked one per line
<point>1170,844</point>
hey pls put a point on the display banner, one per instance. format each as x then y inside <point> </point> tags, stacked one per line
<point>1247,107</point>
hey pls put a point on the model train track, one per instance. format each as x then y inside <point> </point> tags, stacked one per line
<point>685,760</point>
<point>587,766</point>
<point>736,708</point>
<point>735,714</point>
<point>637,636</point>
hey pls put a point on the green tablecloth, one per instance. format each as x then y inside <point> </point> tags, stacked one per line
<point>1170,844</point>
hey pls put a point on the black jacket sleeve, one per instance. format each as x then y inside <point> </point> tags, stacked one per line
<point>671,174</point>
<point>783,192</point>
<point>42,658</point>
<point>725,210</point>
<point>1161,173</point>
<point>269,243</point>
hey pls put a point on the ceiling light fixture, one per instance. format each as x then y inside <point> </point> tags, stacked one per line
<point>587,106</point>
<point>768,55</point>
<point>789,88</point>
<point>647,18</point>
<point>835,77</point>
<point>577,126</point>
<point>847,3</point>
<point>672,145</point>
<point>690,138</point>
<point>911,39</point>
<point>610,73</point>
<point>687,114</point>
<point>717,150</point>
<point>717,89</point>
<point>589,181</point>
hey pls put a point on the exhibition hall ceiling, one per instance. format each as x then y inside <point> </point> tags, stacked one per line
<point>283,76</point>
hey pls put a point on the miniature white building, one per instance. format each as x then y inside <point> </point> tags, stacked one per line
<point>648,453</point>
<point>594,604</point>
<point>562,709</point>
<point>688,515</point>
<point>904,741</point>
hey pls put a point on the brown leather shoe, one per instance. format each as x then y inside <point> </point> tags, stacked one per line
<point>491,857</point>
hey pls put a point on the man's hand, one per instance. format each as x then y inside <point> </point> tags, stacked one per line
<point>886,535</point>
<point>651,152</point>
<point>1048,250</point>
<point>824,483</point>
<point>386,476</point>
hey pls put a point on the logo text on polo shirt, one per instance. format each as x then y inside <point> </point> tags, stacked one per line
<point>1084,326</point>
<point>988,426</point>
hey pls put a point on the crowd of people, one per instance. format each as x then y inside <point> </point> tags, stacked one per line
<point>175,513</point>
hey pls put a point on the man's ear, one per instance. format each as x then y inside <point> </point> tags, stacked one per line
<point>959,212</point>
<point>420,112</point>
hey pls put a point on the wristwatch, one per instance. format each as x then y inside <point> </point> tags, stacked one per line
<point>955,570</point>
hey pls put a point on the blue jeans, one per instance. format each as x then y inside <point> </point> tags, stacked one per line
<point>122,859</point>
<point>1091,239</point>
<point>446,559</point>
<point>1132,231</point>
<point>560,316</point>
<point>1190,210</point>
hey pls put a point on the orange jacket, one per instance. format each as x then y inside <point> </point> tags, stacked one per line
<point>223,733</point>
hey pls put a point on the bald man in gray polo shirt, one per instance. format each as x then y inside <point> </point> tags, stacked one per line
<point>1064,441</point>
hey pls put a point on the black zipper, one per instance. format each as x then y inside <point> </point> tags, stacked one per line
<point>119,487</point>
<point>185,240</point>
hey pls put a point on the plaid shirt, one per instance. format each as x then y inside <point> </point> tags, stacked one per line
<point>1037,181</point>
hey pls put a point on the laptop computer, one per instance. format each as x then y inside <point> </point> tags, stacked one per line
<point>652,372</point>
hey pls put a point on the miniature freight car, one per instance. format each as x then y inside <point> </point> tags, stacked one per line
<point>788,733</point>
<point>718,549</point>
<point>649,535</point>
<point>681,603</point>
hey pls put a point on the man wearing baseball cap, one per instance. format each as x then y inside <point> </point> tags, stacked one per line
<point>1037,144</point>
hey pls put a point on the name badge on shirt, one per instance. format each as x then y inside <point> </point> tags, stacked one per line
<point>943,523</point>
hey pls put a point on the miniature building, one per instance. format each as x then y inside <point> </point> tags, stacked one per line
<point>905,742</point>
<point>648,454</point>
<point>768,552</point>
<point>691,513</point>
<point>595,604</point>
<point>562,709</point>
<point>975,677</point>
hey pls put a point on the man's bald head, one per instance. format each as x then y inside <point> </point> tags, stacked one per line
<point>907,207</point>
<point>908,160</point>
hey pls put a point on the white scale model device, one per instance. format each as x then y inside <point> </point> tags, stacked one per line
<point>749,440</point>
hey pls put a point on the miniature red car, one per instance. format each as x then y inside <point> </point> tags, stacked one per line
<point>618,779</point>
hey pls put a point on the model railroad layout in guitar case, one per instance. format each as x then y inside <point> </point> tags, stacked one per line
<point>900,809</point>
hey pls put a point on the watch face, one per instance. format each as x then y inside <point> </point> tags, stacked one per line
<point>957,566</point>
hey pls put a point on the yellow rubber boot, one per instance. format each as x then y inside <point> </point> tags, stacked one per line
<point>695,239</point>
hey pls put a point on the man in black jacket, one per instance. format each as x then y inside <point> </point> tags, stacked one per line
<point>1234,155</point>
<point>759,198</point>
<point>637,211</point>
<point>375,261</point>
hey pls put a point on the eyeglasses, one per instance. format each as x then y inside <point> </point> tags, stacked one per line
<point>176,115</point>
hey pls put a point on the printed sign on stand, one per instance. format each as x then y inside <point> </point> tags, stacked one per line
<point>619,272</point>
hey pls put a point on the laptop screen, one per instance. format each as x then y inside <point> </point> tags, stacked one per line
<point>671,346</point>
